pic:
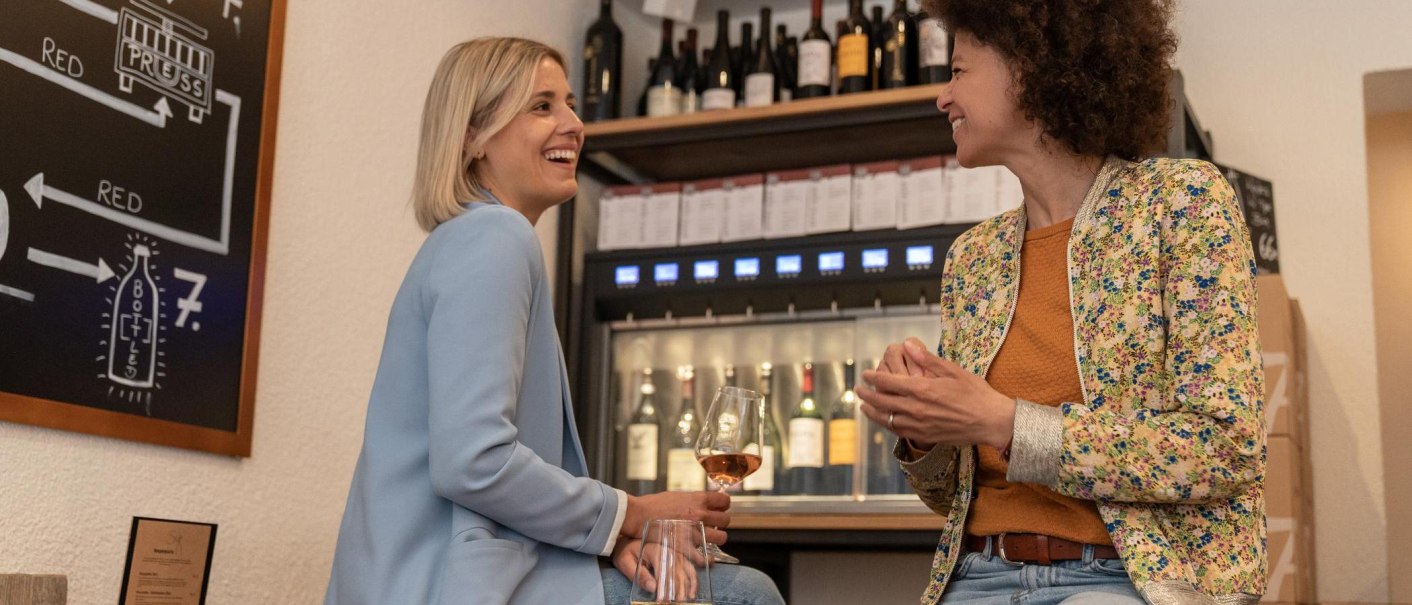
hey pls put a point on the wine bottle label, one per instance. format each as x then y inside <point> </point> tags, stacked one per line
<point>759,90</point>
<point>690,102</point>
<point>843,441</point>
<point>684,473</point>
<point>642,452</point>
<point>718,98</point>
<point>763,479</point>
<point>853,56</point>
<point>806,443</point>
<point>936,52</point>
<point>663,101</point>
<point>814,64</point>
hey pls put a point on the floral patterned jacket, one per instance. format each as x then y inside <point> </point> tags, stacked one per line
<point>1169,439</point>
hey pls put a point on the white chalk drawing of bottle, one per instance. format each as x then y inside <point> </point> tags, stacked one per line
<point>132,352</point>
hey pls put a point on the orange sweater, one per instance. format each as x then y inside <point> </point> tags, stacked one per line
<point>1036,363</point>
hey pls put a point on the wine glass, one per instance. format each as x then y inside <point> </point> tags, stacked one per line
<point>729,444</point>
<point>672,564</point>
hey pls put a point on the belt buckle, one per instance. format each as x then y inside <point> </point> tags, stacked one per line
<point>1000,546</point>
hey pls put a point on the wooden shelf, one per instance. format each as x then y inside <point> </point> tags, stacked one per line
<point>838,522</point>
<point>864,127</point>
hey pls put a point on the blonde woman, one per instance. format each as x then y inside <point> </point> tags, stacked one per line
<point>471,486</point>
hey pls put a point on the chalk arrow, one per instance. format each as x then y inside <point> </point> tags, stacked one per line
<point>35,187</point>
<point>163,109</point>
<point>100,271</point>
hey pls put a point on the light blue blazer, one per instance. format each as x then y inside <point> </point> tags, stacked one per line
<point>471,487</point>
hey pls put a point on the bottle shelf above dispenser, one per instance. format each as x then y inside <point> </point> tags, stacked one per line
<point>856,128</point>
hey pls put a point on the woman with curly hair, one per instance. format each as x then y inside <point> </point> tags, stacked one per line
<point>1091,426</point>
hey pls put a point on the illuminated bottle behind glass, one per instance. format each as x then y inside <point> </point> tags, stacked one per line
<point>843,436</point>
<point>762,80</point>
<point>720,74</point>
<point>684,473</point>
<point>644,430</point>
<point>769,479</point>
<point>899,49</point>
<point>663,94</point>
<point>855,51</point>
<point>806,440</point>
<point>132,341</point>
<point>815,56</point>
<point>603,67</point>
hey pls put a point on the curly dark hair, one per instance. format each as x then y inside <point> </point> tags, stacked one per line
<point>1095,73</point>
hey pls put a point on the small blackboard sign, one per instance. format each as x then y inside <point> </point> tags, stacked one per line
<point>136,142</point>
<point>1257,200</point>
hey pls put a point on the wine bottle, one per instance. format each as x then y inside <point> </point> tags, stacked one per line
<point>746,59</point>
<point>806,440</point>
<point>720,75</point>
<point>933,50</point>
<point>875,46</point>
<point>762,82</point>
<point>899,49</point>
<point>684,473</point>
<point>787,64</point>
<point>843,436</point>
<point>663,95</point>
<point>815,56</point>
<point>132,340</point>
<point>689,76</point>
<point>603,67</point>
<point>854,51</point>
<point>643,432</point>
<point>642,98</point>
<point>769,479</point>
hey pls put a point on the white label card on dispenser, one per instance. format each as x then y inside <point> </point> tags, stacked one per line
<point>971,192</point>
<point>660,212</point>
<point>924,198</point>
<point>701,216</point>
<point>830,208</point>
<point>875,201</point>
<point>620,222</point>
<point>745,211</point>
<point>786,207</point>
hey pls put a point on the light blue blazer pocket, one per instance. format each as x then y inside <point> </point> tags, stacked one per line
<point>485,571</point>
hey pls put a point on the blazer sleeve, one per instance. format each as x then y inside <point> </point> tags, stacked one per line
<point>1209,442</point>
<point>478,296</point>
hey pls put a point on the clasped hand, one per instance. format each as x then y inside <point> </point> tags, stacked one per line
<point>929,400</point>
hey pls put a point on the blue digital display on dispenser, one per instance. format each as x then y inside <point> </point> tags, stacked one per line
<point>706,269</point>
<point>875,258</point>
<point>665,272</point>
<point>789,264</point>
<point>830,261</point>
<point>747,268</point>
<point>919,255</point>
<point>627,275</point>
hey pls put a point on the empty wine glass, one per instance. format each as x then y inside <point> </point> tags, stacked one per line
<point>672,564</point>
<point>729,444</point>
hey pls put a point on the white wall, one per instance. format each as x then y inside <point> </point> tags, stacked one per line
<point>1280,84</point>
<point>355,72</point>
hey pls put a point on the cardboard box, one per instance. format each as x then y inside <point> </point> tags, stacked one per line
<point>1289,545</point>
<point>1283,355</point>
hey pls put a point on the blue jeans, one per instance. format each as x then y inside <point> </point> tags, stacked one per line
<point>730,585</point>
<point>982,578</point>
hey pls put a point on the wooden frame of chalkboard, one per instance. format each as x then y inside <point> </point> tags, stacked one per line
<point>136,153</point>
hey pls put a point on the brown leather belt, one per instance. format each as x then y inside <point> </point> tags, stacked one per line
<point>1036,548</point>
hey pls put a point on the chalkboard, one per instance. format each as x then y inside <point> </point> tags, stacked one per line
<point>136,142</point>
<point>1257,201</point>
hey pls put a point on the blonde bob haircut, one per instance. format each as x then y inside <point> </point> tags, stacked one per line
<point>479,87</point>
